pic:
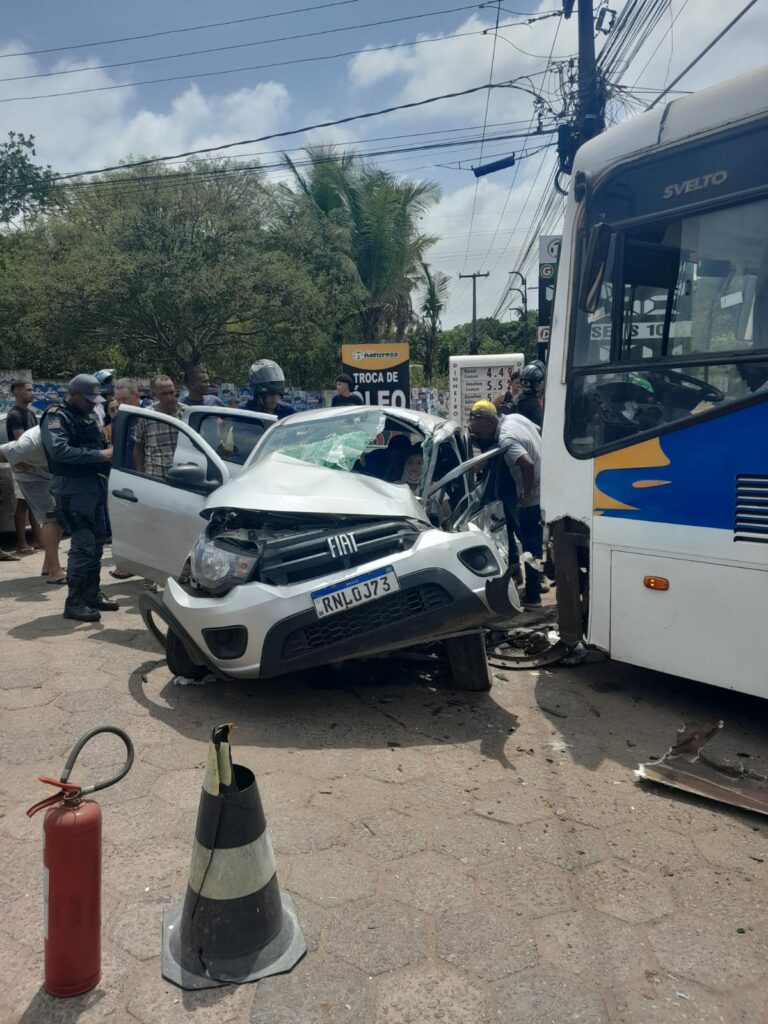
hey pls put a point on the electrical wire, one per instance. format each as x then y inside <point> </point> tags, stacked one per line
<point>514,179</point>
<point>177,31</point>
<point>513,83</point>
<point>179,176</point>
<point>241,46</point>
<point>703,53</point>
<point>194,76</point>
<point>463,291</point>
<point>485,122</point>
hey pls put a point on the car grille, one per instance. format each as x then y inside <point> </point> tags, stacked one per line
<point>307,556</point>
<point>369,618</point>
<point>751,513</point>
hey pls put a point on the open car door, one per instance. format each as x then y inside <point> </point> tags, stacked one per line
<point>231,433</point>
<point>470,497</point>
<point>162,473</point>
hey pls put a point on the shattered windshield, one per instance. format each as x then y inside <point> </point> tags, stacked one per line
<point>368,442</point>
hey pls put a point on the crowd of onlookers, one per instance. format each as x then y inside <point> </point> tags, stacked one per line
<point>48,462</point>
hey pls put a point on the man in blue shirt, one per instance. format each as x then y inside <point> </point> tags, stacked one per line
<point>198,386</point>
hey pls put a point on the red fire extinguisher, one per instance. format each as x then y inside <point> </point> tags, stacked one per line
<point>72,876</point>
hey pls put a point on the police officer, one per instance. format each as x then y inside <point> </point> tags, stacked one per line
<point>79,463</point>
<point>267,383</point>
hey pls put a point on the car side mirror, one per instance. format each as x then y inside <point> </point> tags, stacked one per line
<point>594,267</point>
<point>192,477</point>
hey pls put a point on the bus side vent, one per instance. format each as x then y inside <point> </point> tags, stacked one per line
<point>750,521</point>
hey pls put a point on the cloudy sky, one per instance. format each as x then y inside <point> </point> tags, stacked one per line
<point>254,80</point>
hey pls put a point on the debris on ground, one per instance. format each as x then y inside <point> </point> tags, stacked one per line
<point>686,766</point>
<point>187,681</point>
<point>581,654</point>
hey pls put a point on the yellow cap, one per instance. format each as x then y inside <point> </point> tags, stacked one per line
<point>484,406</point>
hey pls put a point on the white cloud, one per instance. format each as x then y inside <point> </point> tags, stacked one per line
<point>502,218</point>
<point>100,128</point>
<point>418,72</point>
<point>454,64</point>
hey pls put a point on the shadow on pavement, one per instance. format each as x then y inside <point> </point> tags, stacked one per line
<point>26,589</point>
<point>135,639</point>
<point>372,704</point>
<point>613,711</point>
<point>61,1011</point>
<point>50,625</point>
<point>627,715</point>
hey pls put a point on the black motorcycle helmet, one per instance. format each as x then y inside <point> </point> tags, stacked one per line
<point>106,379</point>
<point>531,376</point>
<point>266,378</point>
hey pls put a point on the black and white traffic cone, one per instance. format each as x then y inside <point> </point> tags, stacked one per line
<point>234,925</point>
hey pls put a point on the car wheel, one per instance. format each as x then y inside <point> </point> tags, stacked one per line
<point>179,661</point>
<point>468,663</point>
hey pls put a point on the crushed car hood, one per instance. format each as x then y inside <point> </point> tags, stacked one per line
<point>281,483</point>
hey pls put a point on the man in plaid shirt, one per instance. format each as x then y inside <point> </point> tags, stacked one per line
<point>154,443</point>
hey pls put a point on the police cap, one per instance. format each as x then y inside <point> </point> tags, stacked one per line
<point>86,385</point>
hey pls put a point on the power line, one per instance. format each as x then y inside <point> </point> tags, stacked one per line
<point>514,176</point>
<point>179,177</point>
<point>177,31</point>
<point>703,53</point>
<point>241,46</point>
<point>233,71</point>
<point>485,122</point>
<point>511,83</point>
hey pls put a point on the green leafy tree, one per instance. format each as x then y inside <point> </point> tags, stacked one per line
<point>174,267</point>
<point>433,302</point>
<point>381,213</point>
<point>25,187</point>
<point>494,336</point>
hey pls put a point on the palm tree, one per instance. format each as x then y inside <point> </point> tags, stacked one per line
<point>433,303</point>
<point>381,212</point>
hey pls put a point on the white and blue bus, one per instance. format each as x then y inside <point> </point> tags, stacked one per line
<point>655,444</point>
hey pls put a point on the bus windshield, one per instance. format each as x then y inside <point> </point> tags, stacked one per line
<point>680,325</point>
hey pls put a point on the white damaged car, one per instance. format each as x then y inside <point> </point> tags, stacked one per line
<point>330,535</point>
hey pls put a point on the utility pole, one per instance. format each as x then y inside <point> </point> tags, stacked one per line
<point>473,344</point>
<point>590,107</point>
<point>523,292</point>
<point>589,118</point>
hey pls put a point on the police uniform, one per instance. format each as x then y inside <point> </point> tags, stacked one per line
<point>73,443</point>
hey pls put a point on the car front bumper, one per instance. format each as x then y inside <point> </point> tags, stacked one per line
<point>438,597</point>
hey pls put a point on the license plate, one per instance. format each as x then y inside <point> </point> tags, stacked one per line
<point>342,596</point>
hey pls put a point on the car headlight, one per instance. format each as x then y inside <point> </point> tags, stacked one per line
<point>218,569</point>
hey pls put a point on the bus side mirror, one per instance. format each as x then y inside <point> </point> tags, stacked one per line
<point>594,267</point>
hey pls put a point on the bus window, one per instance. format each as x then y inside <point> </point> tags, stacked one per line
<point>679,328</point>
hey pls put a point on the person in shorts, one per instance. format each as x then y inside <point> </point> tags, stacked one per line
<point>30,470</point>
<point>22,417</point>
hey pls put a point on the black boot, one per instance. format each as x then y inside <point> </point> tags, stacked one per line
<point>102,602</point>
<point>96,598</point>
<point>75,607</point>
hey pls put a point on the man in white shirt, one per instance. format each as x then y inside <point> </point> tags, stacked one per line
<point>520,443</point>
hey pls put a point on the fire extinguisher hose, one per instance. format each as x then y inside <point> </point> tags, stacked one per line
<point>72,793</point>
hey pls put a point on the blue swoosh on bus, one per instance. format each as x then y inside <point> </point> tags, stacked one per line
<point>686,477</point>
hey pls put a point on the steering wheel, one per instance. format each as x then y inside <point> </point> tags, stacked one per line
<point>610,399</point>
<point>687,387</point>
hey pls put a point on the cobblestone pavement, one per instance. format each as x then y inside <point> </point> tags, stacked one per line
<point>454,858</point>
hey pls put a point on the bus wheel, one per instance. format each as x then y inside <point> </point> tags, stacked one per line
<point>468,663</point>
